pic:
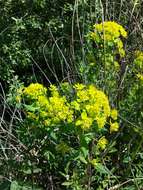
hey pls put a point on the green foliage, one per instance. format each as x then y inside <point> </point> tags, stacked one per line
<point>27,37</point>
<point>17,186</point>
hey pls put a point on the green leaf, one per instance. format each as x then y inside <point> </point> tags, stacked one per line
<point>48,155</point>
<point>53,135</point>
<point>88,137</point>
<point>67,183</point>
<point>14,186</point>
<point>31,108</point>
<point>19,186</point>
<point>37,170</point>
<point>84,151</point>
<point>82,159</point>
<point>102,169</point>
<point>126,159</point>
<point>113,150</point>
<point>28,171</point>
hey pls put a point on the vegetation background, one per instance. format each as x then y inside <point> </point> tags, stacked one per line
<point>46,41</point>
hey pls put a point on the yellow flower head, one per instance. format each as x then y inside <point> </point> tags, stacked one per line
<point>93,106</point>
<point>114,114</point>
<point>110,32</point>
<point>53,109</point>
<point>114,127</point>
<point>138,62</point>
<point>140,77</point>
<point>89,107</point>
<point>79,86</point>
<point>34,90</point>
<point>102,143</point>
<point>94,162</point>
<point>54,90</point>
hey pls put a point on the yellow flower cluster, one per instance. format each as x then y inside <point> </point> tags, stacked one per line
<point>138,65</point>
<point>139,60</point>
<point>114,127</point>
<point>35,90</point>
<point>114,114</point>
<point>53,109</point>
<point>94,162</point>
<point>109,32</point>
<point>89,106</point>
<point>111,29</point>
<point>102,143</point>
<point>92,105</point>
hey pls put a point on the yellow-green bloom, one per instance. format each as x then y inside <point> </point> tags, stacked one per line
<point>110,33</point>
<point>75,105</point>
<point>114,114</point>
<point>89,106</point>
<point>53,109</point>
<point>94,162</point>
<point>85,121</point>
<point>34,90</point>
<point>114,127</point>
<point>102,143</point>
<point>138,62</point>
<point>110,30</point>
<point>93,106</point>
<point>79,86</point>
<point>140,76</point>
<point>63,148</point>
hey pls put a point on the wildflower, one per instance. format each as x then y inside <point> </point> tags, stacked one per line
<point>85,121</point>
<point>94,162</point>
<point>79,86</point>
<point>114,127</point>
<point>110,32</point>
<point>102,143</point>
<point>89,106</point>
<point>114,114</point>
<point>138,62</point>
<point>43,101</point>
<point>34,90</point>
<point>140,76</point>
<point>75,105</point>
<point>82,96</point>
<point>101,121</point>
<point>95,106</point>
<point>54,90</point>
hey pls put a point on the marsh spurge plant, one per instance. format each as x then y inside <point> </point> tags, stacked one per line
<point>106,55</point>
<point>89,107</point>
<point>75,120</point>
